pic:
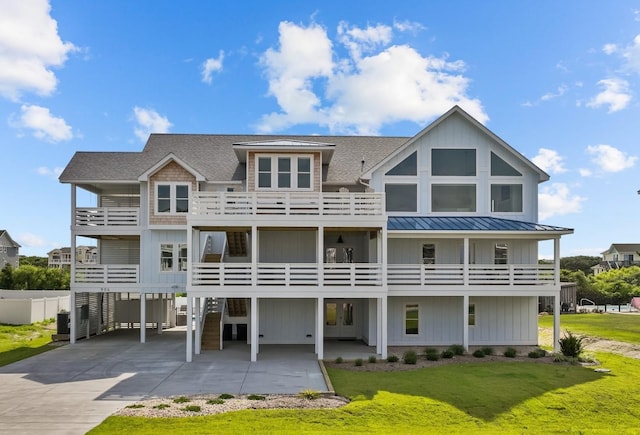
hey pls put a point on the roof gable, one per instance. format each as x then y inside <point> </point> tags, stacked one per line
<point>456,110</point>
<point>280,145</point>
<point>4,234</point>
<point>163,162</point>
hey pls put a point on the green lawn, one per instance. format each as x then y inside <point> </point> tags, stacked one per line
<point>509,397</point>
<point>619,327</point>
<point>22,341</point>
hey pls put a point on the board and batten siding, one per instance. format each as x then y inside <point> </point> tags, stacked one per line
<point>150,256</point>
<point>287,321</point>
<point>499,321</point>
<point>505,321</point>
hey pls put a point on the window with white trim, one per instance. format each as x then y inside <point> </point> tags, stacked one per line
<point>411,319</point>
<point>284,172</point>
<point>506,198</point>
<point>429,253</point>
<point>172,198</point>
<point>501,253</point>
<point>472,315</point>
<point>173,257</point>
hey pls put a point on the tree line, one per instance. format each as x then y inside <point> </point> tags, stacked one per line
<point>616,286</point>
<point>30,277</point>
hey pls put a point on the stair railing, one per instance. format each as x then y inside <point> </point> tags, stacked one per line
<point>222,311</point>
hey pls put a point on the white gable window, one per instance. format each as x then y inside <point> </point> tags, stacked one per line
<point>453,162</point>
<point>284,172</point>
<point>172,198</point>
<point>173,257</point>
<point>506,198</point>
<point>401,197</point>
<point>500,168</point>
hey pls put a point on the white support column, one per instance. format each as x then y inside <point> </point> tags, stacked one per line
<point>556,258</point>
<point>189,327</point>
<point>160,312</point>
<point>465,261</point>
<point>556,322</point>
<point>465,321</point>
<point>379,326</point>
<point>254,256</point>
<point>320,257</point>
<point>72,317</point>
<point>320,327</point>
<point>198,326</point>
<point>383,259</point>
<point>254,329</point>
<point>143,317</point>
<point>383,324</point>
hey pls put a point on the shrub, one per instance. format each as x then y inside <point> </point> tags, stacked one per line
<point>255,397</point>
<point>410,357</point>
<point>309,394</point>
<point>392,358</point>
<point>181,399</point>
<point>339,360</point>
<point>571,345</point>
<point>431,354</point>
<point>447,353</point>
<point>538,353</point>
<point>487,350</point>
<point>162,406</point>
<point>215,402</point>
<point>373,359</point>
<point>192,408</point>
<point>358,362</point>
<point>457,349</point>
<point>479,353</point>
<point>135,406</point>
<point>510,352</point>
<point>225,396</point>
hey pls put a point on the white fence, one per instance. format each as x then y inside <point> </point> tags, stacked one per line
<point>23,307</point>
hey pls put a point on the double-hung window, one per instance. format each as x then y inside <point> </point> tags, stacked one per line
<point>172,198</point>
<point>173,257</point>
<point>284,172</point>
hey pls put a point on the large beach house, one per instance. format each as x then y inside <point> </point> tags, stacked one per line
<point>424,240</point>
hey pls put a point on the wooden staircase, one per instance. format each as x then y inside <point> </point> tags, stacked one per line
<point>237,307</point>
<point>211,332</point>
<point>237,243</point>
<point>212,258</point>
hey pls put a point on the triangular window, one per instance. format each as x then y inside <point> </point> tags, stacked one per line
<point>408,166</point>
<point>501,168</point>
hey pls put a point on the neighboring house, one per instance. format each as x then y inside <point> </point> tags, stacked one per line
<point>9,250</point>
<point>60,258</point>
<point>617,256</point>
<point>424,240</point>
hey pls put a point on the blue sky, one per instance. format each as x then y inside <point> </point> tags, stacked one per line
<point>559,81</point>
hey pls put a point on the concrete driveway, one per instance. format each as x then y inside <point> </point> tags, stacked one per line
<point>73,388</point>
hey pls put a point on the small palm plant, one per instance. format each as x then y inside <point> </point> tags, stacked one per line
<point>571,345</point>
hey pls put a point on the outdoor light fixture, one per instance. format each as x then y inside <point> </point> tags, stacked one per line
<point>340,240</point>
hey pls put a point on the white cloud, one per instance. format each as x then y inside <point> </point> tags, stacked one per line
<point>609,48</point>
<point>50,172</point>
<point>408,26</point>
<point>31,240</point>
<point>615,95</point>
<point>584,172</point>
<point>610,159</point>
<point>210,66</point>
<point>149,121</point>
<point>549,161</point>
<point>29,48</point>
<point>551,95</point>
<point>45,126</point>
<point>556,200</point>
<point>377,83</point>
<point>631,55</point>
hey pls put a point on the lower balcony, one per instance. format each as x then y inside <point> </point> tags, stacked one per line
<point>107,274</point>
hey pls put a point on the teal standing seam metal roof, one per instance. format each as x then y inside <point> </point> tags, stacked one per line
<point>466,223</point>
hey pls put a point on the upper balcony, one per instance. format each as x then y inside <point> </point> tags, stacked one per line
<point>297,205</point>
<point>91,219</point>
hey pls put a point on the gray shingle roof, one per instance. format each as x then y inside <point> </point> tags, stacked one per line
<point>214,157</point>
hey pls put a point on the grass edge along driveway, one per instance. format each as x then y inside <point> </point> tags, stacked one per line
<point>510,397</point>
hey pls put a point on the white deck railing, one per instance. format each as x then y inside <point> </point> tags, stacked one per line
<point>287,203</point>
<point>279,274</point>
<point>107,216</point>
<point>107,274</point>
<point>369,274</point>
<point>453,274</point>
